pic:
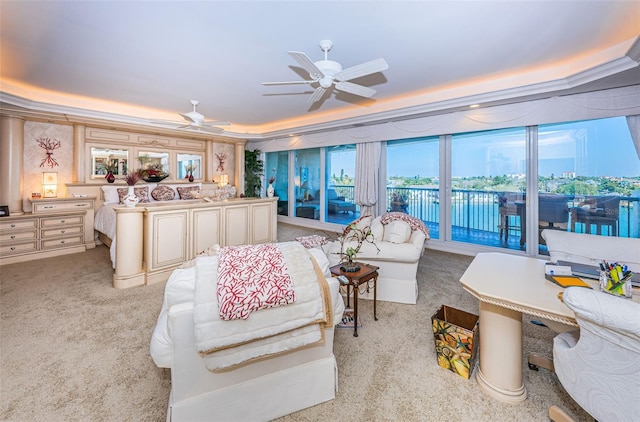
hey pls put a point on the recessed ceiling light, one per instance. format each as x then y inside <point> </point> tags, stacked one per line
<point>474,106</point>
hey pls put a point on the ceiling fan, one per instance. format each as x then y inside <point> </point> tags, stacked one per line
<point>328,73</point>
<point>196,121</point>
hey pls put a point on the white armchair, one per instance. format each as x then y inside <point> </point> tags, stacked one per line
<point>599,365</point>
<point>397,251</point>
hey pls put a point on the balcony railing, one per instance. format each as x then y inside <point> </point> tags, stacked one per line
<point>479,210</point>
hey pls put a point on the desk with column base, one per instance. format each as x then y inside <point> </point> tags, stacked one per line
<point>508,286</point>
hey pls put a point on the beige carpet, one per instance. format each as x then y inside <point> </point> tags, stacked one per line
<point>72,348</point>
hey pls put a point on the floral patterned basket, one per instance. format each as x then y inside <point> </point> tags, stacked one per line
<point>456,337</point>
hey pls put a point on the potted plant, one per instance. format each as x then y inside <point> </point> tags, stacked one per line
<point>253,172</point>
<point>109,167</point>
<point>132,178</point>
<point>359,235</point>
<point>189,169</point>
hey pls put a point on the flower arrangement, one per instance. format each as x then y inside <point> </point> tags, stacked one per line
<point>133,177</point>
<point>272,179</point>
<point>190,168</point>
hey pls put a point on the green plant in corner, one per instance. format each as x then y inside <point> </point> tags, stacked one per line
<point>253,172</point>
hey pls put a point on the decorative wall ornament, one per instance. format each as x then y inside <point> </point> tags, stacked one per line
<point>222,157</point>
<point>49,145</point>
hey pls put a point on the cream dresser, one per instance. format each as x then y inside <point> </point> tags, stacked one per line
<point>55,226</point>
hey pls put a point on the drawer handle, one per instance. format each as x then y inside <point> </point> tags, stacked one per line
<point>13,225</point>
<point>48,207</point>
<point>62,241</point>
<point>62,231</point>
<point>13,236</point>
<point>62,221</point>
<point>13,248</point>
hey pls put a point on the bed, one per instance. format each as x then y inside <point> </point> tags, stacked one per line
<point>148,241</point>
<point>264,385</point>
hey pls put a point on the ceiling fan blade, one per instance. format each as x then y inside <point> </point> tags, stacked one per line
<point>287,82</point>
<point>367,68</point>
<point>317,94</point>
<point>187,117</point>
<point>215,123</point>
<point>211,129</point>
<point>356,89</point>
<point>307,64</point>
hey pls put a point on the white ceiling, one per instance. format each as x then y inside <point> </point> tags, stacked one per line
<point>136,61</point>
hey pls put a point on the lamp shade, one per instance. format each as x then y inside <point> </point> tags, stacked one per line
<point>50,184</point>
<point>224,180</point>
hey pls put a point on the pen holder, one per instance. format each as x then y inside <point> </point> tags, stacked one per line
<point>616,288</point>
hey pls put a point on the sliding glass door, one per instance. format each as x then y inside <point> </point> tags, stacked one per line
<point>488,179</point>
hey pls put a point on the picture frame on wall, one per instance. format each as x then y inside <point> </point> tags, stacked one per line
<point>4,210</point>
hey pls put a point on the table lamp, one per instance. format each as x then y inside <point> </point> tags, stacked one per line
<point>50,184</point>
<point>305,187</point>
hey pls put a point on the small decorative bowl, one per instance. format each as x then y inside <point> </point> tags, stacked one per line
<point>155,179</point>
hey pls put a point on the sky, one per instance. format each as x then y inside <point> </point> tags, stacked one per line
<point>590,148</point>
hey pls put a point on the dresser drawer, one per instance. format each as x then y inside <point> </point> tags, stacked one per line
<point>61,206</point>
<point>18,236</point>
<point>62,243</point>
<point>60,231</point>
<point>24,224</point>
<point>61,221</point>
<point>16,249</point>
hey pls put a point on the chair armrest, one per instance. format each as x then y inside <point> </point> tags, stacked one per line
<point>622,315</point>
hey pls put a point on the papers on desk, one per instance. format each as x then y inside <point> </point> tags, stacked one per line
<point>566,280</point>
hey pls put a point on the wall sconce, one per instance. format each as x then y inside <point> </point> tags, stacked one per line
<point>50,184</point>
<point>224,180</point>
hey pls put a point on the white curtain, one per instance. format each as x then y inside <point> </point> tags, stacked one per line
<point>634,128</point>
<point>367,173</point>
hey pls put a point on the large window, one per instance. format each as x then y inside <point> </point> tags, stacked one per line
<point>413,180</point>
<point>307,183</point>
<point>277,169</point>
<point>487,187</point>
<point>588,178</point>
<point>340,164</point>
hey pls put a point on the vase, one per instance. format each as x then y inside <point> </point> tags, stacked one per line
<point>270,191</point>
<point>131,199</point>
<point>110,177</point>
<point>190,177</point>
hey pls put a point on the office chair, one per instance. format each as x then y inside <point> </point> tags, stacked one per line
<point>599,364</point>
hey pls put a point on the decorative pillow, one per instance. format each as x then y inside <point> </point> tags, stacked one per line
<point>141,193</point>
<point>163,193</point>
<point>360,223</point>
<point>183,185</point>
<point>397,232</point>
<point>312,241</point>
<point>110,194</point>
<point>322,260</point>
<point>187,193</point>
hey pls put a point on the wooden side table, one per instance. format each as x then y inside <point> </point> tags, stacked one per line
<point>366,273</point>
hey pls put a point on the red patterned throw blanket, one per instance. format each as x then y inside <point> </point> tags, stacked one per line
<point>414,223</point>
<point>252,277</point>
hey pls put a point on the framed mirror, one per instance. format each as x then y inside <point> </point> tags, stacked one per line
<point>189,164</point>
<point>105,160</point>
<point>155,165</point>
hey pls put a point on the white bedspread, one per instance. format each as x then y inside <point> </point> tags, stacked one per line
<point>181,288</point>
<point>214,334</point>
<point>105,222</point>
